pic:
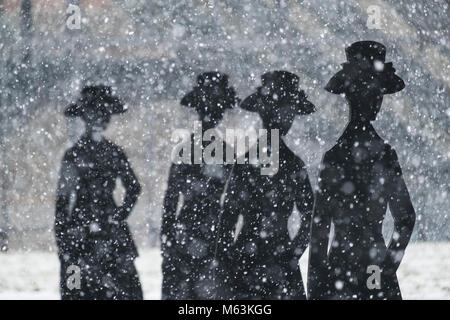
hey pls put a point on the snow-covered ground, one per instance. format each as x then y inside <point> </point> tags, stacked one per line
<point>424,273</point>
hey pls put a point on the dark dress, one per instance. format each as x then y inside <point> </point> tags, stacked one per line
<point>91,231</point>
<point>358,179</point>
<point>189,232</point>
<point>263,261</point>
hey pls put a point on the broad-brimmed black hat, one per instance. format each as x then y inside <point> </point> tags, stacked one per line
<point>365,67</point>
<point>211,94</point>
<point>279,89</point>
<point>97,99</point>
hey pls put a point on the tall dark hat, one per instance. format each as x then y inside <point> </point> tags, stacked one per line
<point>95,99</point>
<point>279,89</point>
<point>212,94</point>
<point>365,68</point>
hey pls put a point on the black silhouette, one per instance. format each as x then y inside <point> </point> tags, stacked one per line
<point>263,260</point>
<point>360,177</point>
<point>188,236</point>
<point>91,230</point>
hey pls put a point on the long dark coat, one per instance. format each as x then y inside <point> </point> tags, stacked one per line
<point>91,230</point>
<point>360,176</point>
<point>263,261</point>
<point>192,206</point>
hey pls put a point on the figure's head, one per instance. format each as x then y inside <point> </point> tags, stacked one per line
<point>96,122</point>
<point>365,104</point>
<point>95,106</point>
<point>365,78</point>
<point>278,101</point>
<point>281,118</point>
<point>211,98</point>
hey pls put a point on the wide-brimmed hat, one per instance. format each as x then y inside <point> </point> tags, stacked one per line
<point>211,94</point>
<point>98,99</point>
<point>279,89</point>
<point>365,68</point>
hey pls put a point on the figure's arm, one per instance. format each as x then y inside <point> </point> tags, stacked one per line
<point>63,223</point>
<point>305,202</point>
<point>404,218</point>
<point>170,204</point>
<point>318,281</point>
<point>232,206</point>
<point>131,185</point>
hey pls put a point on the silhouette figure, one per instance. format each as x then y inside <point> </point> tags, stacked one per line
<point>360,177</point>
<point>263,259</point>
<point>188,236</point>
<point>92,233</point>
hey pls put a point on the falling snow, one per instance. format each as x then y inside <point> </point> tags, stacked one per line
<point>150,55</point>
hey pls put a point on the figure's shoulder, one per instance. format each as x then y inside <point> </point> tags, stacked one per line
<point>72,153</point>
<point>181,169</point>
<point>114,149</point>
<point>390,159</point>
<point>334,154</point>
<point>111,144</point>
<point>387,152</point>
<point>298,162</point>
<point>299,171</point>
<point>288,158</point>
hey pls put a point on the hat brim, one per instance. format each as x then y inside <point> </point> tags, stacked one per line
<point>73,110</point>
<point>393,84</point>
<point>112,104</point>
<point>196,98</point>
<point>252,103</point>
<point>190,99</point>
<point>389,82</point>
<point>256,103</point>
